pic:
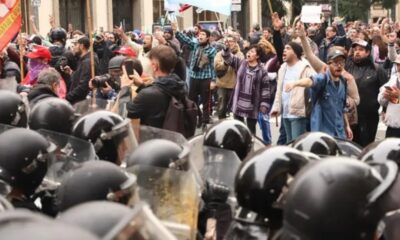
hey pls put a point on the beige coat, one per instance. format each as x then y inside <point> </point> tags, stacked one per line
<point>296,100</point>
<point>229,79</point>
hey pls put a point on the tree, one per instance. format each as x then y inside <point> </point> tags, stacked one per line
<point>358,9</point>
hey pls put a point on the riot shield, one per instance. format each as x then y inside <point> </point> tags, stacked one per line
<point>146,133</point>
<point>88,106</point>
<point>173,196</point>
<point>141,224</point>
<point>219,166</point>
<point>70,154</point>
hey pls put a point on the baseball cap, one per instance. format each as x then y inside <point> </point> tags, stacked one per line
<point>361,43</point>
<point>125,50</point>
<point>39,52</point>
<point>334,53</point>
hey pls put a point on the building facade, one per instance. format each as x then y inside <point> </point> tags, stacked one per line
<point>132,14</point>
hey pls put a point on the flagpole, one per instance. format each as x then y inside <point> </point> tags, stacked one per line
<point>270,7</point>
<point>90,29</point>
<point>21,52</point>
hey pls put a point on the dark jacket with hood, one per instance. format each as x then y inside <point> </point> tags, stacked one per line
<point>151,103</point>
<point>40,92</point>
<point>79,87</point>
<point>369,78</point>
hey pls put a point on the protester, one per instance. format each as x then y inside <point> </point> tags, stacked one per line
<point>226,77</point>
<point>389,97</point>
<point>330,92</point>
<point>47,86</point>
<point>80,78</point>
<point>201,71</point>
<point>369,79</point>
<point>252,93</point>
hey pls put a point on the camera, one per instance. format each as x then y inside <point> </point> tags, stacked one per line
<point>100,81</point>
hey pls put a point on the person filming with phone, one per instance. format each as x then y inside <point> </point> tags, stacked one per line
<point>152,101</point>
<point>389,98</point>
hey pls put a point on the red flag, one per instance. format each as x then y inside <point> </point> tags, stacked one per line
<point>184,7</point>
<point>10,21</point>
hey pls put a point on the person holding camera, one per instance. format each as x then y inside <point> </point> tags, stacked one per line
<point>108,85</point>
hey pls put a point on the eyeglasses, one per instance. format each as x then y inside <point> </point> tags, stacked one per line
<point>338,63</point>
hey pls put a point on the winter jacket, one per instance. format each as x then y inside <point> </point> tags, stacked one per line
<point>369,79</point>
<point>151,103</point>
<point>296,100</point>
<point>229,79</point>
<point>40,92</point>
<point>79,87</point>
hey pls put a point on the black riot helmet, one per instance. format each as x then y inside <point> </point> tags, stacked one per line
<point>157,152</point>
<point>24,155</point>
<point>263,176</point>
<point>23,224</point>
<point>337,198</point>
<point>231,135</point>
<point>318,143</point>
<point>52,114</point>
<point>97,217</point>
<point>96,180</point>
<point>111,136</point>
<point>382,151</point>
<point>13,109</point>
<point>58,35</point>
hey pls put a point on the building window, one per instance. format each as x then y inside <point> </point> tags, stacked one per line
<point>122,14</point>
<point>158,10</point>
<point>74,12</point>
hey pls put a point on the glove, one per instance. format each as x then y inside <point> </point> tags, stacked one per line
<point>215,192</point>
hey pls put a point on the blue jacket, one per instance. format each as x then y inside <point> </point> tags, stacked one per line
<point>329,102</point>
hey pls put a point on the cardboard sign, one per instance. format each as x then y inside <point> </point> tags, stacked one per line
<point>311,14</point>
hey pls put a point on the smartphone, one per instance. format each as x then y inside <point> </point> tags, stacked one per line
<point>129,68</point>
<point>388,87</point>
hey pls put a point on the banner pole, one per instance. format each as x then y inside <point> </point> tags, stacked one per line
<point>90,29</point>
<point>270,7</point>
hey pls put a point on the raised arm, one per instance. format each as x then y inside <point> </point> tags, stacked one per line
<point>182,38</point>
<point>277,25</point>
<point>230,59</point>
<point>318,65</point>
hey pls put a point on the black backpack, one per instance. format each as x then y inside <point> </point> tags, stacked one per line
<point>181,116</point>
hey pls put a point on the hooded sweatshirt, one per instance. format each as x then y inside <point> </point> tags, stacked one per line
<point>151,103</point>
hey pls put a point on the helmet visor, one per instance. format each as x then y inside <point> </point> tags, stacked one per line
<point>69,153</point>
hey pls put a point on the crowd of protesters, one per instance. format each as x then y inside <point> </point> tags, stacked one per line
<point>337,78</point>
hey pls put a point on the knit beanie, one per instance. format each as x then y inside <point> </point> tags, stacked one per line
<point>298,50</point>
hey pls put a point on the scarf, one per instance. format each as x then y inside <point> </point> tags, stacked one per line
<point>34,69</point>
